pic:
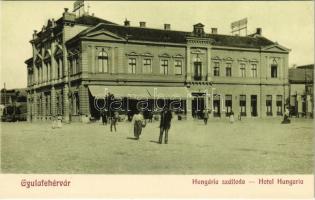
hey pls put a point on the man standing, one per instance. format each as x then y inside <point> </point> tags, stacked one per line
<point>165,124</point>
<point>205,116</point>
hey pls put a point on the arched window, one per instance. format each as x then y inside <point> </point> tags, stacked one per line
<point>102,61</point>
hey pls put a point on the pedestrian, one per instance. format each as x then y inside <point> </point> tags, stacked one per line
<point>150,116</point>
<point>104,117</point>
<point>286,119</point>
<point>205,116</point>
<point>59,123</point>
<point>165,124</point>
<point>231,117</point>
<point>138,123</point>
<point>113,121</point>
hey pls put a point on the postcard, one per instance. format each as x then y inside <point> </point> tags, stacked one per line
<point>157,99</point>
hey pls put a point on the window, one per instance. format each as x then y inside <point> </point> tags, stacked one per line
<point>243,70</point>
<point>254,70</point>
<point>178,67</point>
<point>279,105</point>
<point>228,69</point>
<point>216,69</point>
<point>102,62</point>
<point>132,63</point>
<point>269,105</point>
<point>147,66</point>
<point>243,105</point>
<point>228,104</point>
<point>164,67</point>
<point>274,71</point>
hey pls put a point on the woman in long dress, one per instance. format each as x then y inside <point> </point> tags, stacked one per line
<point>137,121</point>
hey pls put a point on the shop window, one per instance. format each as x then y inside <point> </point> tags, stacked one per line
<point>243,105</point>
<point>279,105</point>
<point>228,104</point>
<point>269,105</point>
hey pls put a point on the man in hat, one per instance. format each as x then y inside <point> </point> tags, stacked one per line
<point>165,124</point>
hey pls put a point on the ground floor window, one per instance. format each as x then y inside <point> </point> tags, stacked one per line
<point>243,105</point>
<point>269,105</point>
<point>253,105</point>
<point>228,104</point>
<point>279,105</point>
<point>216,106</point>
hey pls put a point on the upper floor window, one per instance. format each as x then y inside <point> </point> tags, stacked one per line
<point>164,66</point>
<point>132,63</point>
<point>254,70</point>
<point>242,70</point>
<point>274,71</point>
<point>102,62</point>
<point>228,69</point>
<point>147,66</point>
<point>178,67</point>
<point>216,69</point>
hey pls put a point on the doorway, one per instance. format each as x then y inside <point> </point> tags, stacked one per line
<point>253,105</point>
<point>216,106</point>
<point>198,104</point>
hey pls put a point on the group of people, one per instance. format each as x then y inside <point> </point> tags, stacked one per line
<point>206,113</point>
<point>138,122</point>
<point>112,117</point>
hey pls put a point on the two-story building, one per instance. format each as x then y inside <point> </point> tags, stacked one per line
<point>78,60</point>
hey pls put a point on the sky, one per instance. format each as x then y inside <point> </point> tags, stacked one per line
<point>290,23</point>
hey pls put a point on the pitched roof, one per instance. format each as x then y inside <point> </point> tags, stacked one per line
<point>161,35</point>
<point>301,75</point>
<point>91,20</point>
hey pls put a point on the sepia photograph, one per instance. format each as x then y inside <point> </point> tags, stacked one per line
<point>157,88</point>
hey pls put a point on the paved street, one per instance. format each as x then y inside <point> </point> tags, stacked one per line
<point>261,146</point>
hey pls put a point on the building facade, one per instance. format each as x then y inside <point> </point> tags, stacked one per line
<point>301,81</point>
<point>78,60</point>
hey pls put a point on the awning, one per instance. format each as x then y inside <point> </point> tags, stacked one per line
<point>135,92</point>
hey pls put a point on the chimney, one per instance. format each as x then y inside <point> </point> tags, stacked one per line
<point>127,22</point>
<point>167,27</point>
<point>214,30</point>
<point>35,34</point>
<point>142,24</point>
<point>66,10</point>
<point>53,22</point>
<point>258,31</point>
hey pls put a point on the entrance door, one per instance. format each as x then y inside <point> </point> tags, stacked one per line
<point>253,105</point>
<point>216,106</point>
<point>198,104</point>
<point>198,68</point>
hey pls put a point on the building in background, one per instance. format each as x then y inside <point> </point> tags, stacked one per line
<point>301,80</point>
<point>80,59</point>
<point>13,104</point>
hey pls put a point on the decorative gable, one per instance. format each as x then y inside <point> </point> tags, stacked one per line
<point>103,35</point>
<point>276,48</point>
